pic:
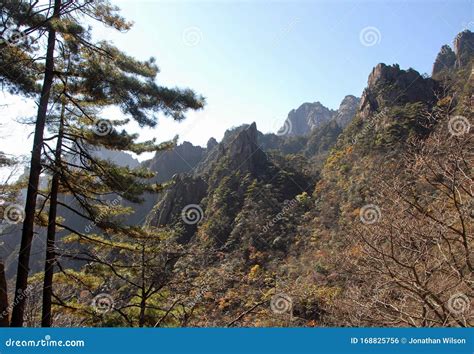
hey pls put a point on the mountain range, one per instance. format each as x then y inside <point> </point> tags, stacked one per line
<point>277,213</point>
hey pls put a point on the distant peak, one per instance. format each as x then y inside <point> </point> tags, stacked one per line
<point>463,35</point>
<point>445,60</point>
<point>248,135</point>
<point>347,110</point>
<point>307,117</point>
<point>211,143</point>
<point>348,99</point>
<point>383,72</point>
<point>464,48</point>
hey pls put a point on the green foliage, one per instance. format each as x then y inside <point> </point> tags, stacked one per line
<point>322,139</point>
<point>405,122</point>
<point>223,205</point>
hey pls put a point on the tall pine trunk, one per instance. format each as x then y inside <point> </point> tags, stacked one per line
<point>33,182</point>
<point>141,319</point>
<point>3,297</point>
<point>50,260</point>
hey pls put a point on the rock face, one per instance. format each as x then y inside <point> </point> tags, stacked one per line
<point>307,117</point>
<point>211,143</point>
<point>182,158</point>
<point>448,59</point>
<point>185,191</point>
<point>445,60</point>
<point>311,116</point>
<point>244,153</point>
<point>239,149</point>
<point>347,110</point>
<point>464,48</point>
<point>119,157</point>
<point>388,85</point>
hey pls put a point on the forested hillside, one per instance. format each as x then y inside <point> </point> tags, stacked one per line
<point>360,216</point>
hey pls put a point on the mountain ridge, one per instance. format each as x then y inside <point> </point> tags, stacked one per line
<point>309,116</point>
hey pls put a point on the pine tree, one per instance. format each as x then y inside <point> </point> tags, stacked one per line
<point>35,171</point>
<point>132,268</point>
<point>110,78</point>
<point>88,84</point>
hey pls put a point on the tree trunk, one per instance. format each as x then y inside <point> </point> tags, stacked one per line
<point>50,260</point>
<point>3,297</point>
<point>141,320</point>
<point>35,171</point>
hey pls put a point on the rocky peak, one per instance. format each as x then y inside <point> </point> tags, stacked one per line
<point>238,150</point>
<point>445,60</point>
<point>243,153</point>
<point>347,110</point>
<point>245,142</point>
<point>464,48</point>
<point>448,59</point>
<point>181,158</point>
<point>307,117</point>
<point>389,85</point>
<point>383,73</point>
<point>211,143</point>
<point>118,157</point>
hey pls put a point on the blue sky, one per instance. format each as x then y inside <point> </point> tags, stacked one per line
<point>257,60</point>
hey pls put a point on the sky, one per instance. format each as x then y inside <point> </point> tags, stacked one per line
<point>257,60</point>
